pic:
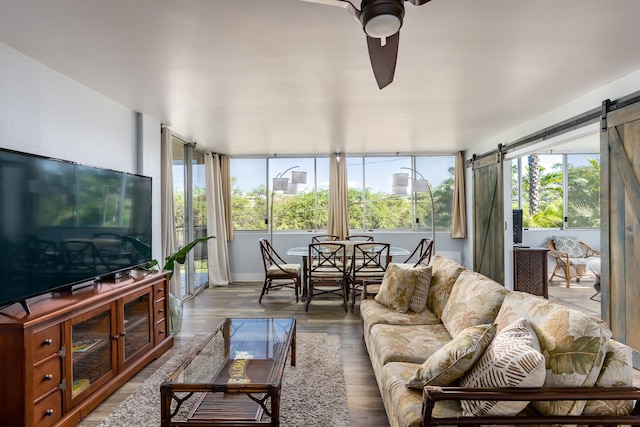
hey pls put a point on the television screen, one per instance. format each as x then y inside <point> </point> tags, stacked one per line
<point>62,223</point>
<point>517,226</point>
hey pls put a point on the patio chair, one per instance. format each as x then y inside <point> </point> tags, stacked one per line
<point>328,273</point>
<point>278,273</point>
<point>369,263</point>
<point>360,238</point>
<point>571,256</point>
<point>324,238</point>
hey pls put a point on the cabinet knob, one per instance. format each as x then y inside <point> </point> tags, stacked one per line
<point>160,290</point>
<point>161,311</point>
<point>161,332</point>
<point>123,333</point>
<point>48,341</point>
<point>48,412</point>
<point>115,337</point>
<point>48,377</point>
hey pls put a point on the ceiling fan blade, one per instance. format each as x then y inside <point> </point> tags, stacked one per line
<point>383,58</point>
<point>418,2</point>
<point>340,3</point>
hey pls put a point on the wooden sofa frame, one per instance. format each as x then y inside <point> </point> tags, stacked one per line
<point>433,394</point>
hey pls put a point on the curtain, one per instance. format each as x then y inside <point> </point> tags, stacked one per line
<point>459,221</point>
<point>219,270</point>
<point>169,236</point>
<point>225,175</point>
<point>338,197</point>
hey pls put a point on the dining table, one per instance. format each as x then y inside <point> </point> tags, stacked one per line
<point>303,251</point>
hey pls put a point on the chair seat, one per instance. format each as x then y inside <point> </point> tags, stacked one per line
<point>289,268</point>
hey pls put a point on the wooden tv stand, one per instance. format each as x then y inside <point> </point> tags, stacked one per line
<point>70,353</point>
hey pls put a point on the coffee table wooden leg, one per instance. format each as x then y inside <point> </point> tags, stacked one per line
<point>293,346</point>
<point>275,407</point>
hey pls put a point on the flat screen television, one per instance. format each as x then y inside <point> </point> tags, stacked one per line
<point>517,226</point>
<point>63,224</point>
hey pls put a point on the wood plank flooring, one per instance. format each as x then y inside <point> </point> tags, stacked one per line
<point>325,314</point>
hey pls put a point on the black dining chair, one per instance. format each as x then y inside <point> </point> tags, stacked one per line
<point>368,263</point>
<point>328,271</point>
<point>324,238</point>
<point>278,273</point>
<point>360,238</point>
<point>421,255</point>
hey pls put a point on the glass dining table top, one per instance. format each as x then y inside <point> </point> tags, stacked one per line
<point>304,250</point>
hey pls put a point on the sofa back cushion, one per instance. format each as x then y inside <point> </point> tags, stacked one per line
<point>444,274</point>
<point>572,343</point>
<point>475,299</point>
<point>398,285</point>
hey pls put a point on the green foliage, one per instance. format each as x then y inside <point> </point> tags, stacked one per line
<point>178,257</point>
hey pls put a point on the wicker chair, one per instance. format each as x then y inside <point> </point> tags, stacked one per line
<point>570,265</point>
<point>277,273</point>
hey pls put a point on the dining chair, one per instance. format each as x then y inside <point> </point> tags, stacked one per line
<point>324,238</point>
<point>369,263</point>
<point>422,253</point>
<point>328,272</point>
<point>278,273</point>
<point>360,238</point>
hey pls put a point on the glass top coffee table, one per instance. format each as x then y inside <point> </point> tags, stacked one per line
<point>234,377</point>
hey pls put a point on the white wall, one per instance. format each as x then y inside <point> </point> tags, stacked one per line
<point>43,112</point>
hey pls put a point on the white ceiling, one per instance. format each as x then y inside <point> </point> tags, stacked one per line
<point>283,77</point>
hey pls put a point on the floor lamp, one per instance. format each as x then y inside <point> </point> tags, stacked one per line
<point>281,183</point>
<point>400,183</point>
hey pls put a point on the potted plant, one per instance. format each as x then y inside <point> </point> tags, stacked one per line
<point>175,303</point>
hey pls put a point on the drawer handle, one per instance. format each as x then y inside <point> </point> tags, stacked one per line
<point>161,311</point>
<point>48,341</point>
<point>48,412</point>
<point>48,377</point>
<point>160,290</point>
<point>161,332</point>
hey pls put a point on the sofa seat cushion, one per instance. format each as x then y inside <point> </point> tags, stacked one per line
<point>444,273</point>
<point>617,371</point>
<point>404,405</point>
<point>572,343</point>
<point>374,313</point>
<point>475,299</point>
<point>413,344</point>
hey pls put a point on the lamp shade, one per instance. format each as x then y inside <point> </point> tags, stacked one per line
<point>280,184</point>
<point>298,177</point>
<point>398,189</point>
<point>419,186</point>
<point>400,179</point>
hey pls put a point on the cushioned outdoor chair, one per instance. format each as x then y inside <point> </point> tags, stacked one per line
<point>368,263</point>
<point>359,238</point>
<point>277,273</point>
<point>328,271</point>
<point>571,256</point>
<point>324,238</point>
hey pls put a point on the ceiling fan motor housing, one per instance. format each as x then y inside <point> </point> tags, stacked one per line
<point>381,18</point>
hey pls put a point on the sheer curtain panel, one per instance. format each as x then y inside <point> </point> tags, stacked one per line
<point>338,197</point>
<point>219,270</point>
<point>169,237</point>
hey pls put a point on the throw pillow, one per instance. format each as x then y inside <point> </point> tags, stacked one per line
<point>453,359</point>
<point>397,287</point>
<point>513,359</point>
<point>418,300</point>
<point>568,244</point>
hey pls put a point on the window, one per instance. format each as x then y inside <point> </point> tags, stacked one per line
<point>557,190</point>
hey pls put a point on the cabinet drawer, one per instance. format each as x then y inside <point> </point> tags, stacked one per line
<point>46,342</point>
<point>46,377</point>
<point>161,330</point>
<point>48,411</point>
<point>159,310</point>
<point>159,291</point>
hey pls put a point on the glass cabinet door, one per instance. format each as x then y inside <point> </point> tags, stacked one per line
<point>137,325</point>
<point>92,347</point>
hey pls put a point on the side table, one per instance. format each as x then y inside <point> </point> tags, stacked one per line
<point>530,271</point>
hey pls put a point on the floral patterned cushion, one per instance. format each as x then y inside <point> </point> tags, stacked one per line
<point>444,274</point>
<point>374,313</point>
<point>413,344</point>
<point>568,244</point>
<point>572,343</point>
<point>454,359</point>
<point>512,360</point>
<point>397,287</point>
<point>616,371</point>
<point>418,300</point>
<point>404,405</point>
<point>475,299</point>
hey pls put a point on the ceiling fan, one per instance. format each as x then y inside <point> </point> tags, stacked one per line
<point>381,21</point>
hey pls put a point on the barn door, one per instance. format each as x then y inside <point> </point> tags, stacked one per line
<point>488,217</point>
<point>620,222</point>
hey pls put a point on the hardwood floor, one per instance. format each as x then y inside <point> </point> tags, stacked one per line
<point>325,314</point>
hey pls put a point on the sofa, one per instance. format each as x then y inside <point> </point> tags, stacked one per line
<point>451,346</point>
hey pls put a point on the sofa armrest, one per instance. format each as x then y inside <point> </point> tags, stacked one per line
<point>433,394</point>
<point>370,288</point>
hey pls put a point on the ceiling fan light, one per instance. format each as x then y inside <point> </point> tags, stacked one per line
<point>382,26</point>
